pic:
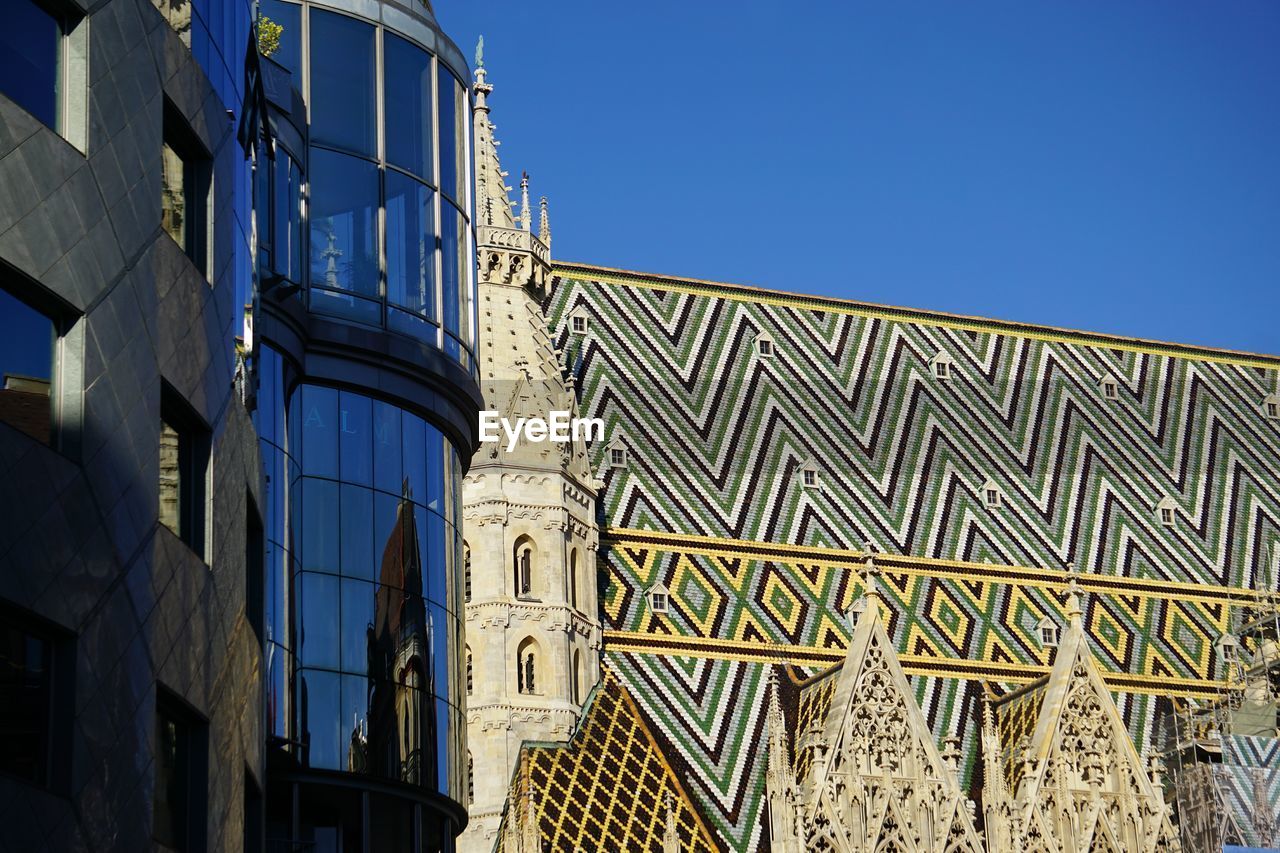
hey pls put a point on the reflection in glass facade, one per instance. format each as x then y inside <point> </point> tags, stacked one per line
<point>364,633</point>
<point>389,234</point>
<point>364,218</point>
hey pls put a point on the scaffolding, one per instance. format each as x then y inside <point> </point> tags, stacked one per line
<point>1223,756</point>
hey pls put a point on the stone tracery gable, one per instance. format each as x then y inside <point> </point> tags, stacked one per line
<point>875,780</point>
<point>1083,786</point>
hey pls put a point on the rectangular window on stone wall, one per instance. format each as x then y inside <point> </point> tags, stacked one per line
<point>181,774</point>
<point>28,342</point>
<point>185,180</point>
<point>184,468</point>
<point>36,678</point>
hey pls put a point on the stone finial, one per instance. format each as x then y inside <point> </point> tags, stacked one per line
<point>870,574</point>
<point>1073,609</point>
<point>951,753</point>
<point>544,223</point>
<point>526,215</point>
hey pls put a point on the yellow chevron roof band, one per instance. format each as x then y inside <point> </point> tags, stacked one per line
<point>954,668</point>
<point>845,560</point>
<point>920,316</point>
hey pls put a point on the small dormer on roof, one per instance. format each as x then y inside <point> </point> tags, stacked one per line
<point>617,454</point>
<point>658,597</point>
<point>942,365</point>
<point>1109,387</point>
<point>1271,407</point>
<point>808,473</point>
<point>579,320</point>
<point>992,495</point>
<point>1166,511</point>
<point>763,345</point>
<point>1048,632</point>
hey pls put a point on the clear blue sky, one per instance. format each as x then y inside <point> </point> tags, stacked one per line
<point>1113,166</point>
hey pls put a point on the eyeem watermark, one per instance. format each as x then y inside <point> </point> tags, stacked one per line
<point>558,426</point>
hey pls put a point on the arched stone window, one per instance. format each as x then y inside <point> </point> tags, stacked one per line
<point>466,571</point>
<point>577,677</point>
<point>527,666</point>
<point>522,567</point>
<point>573,578</point>
<point>470,672</point>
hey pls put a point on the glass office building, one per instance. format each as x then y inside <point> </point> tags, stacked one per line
<point>367,407</point>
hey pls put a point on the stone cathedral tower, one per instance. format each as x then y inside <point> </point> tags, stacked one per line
<point>532,624</point>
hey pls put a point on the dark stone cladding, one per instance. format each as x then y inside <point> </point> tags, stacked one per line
<point>384,364</point>
<point>81,547</point>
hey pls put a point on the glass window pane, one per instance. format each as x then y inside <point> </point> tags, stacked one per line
<point>26,367</point>
<point>289,53</point>
<point>434,447</point>
<point>322,719</point>
<point>26,689</point>
<point>357,619</point>
<point>415,456</point>
<point>320,525</point>
<point>173,196</point>
<point>343,110</point>
<point>408,110</point>
<point>356,448</point>
<point>320,431</point>
<point>29,73</point>
<point>411,245</point>
<point>357,532</point>
<point>386,447</point>
<point>344,223</point>
<point>453,151</point>
<point>453,247</point>
<point>318,633</point>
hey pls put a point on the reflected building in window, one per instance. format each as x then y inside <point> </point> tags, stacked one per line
<point>367,411</point>
<point>129,475</point>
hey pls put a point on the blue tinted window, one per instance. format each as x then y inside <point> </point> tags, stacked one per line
<point>415,456</point>
<point>289,54</point>
<point>408,110</point>
<point>318,640</point>
<point>344,223</point>
<point>411,245</point>
<point>320,531</point>
<point>343,109</point>
<point>386,447</point>
<point>358,605</point>
<point>29,73</point>
<point>26,367</point>
<point>453,249</point>
<point>322,731</point>
<point>319,417</point>
<point>452,144</point>
<point>356,446</point>
<point>358,559</point>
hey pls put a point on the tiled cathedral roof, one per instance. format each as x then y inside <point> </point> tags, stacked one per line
<point>608,789</point>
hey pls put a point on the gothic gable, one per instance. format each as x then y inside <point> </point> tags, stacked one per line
<point>1078,783</point>
<point>873,777</point>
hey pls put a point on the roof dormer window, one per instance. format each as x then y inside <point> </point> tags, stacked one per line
<point>764,345</point>
<point>1110,388</point>
<point>942,366</point>
<point>659,599</point>
<point>1166,511</point>
<point>1271,407</point>
<point>991,495</point>
<point>618,455</point>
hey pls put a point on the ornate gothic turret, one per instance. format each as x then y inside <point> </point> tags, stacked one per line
<point>533,631</point>
<point>1073,781</point>
<point>867,771</point>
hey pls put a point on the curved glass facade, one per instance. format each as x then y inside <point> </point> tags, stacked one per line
<point>388,224</point>
<point>364,634</point>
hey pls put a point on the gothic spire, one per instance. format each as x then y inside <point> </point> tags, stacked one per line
<point>494,206</point>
